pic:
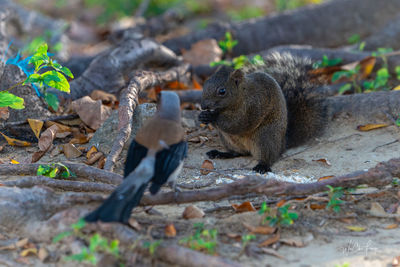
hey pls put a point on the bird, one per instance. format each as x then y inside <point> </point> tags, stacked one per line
<point>155,156</point>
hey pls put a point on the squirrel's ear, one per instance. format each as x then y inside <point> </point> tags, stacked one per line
<point>237,76</point>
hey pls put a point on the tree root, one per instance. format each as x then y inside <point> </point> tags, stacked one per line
<point>141,81</point>
<point>80,170</point>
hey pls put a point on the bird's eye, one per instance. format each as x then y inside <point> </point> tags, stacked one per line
<point>221,91</point>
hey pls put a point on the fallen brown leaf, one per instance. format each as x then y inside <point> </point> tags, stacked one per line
<point>325,177</point>
<point>37,155</point>
<point>262,230</point>
<point>134,224</point>
<point>245,206</point>
<point>273,239</point>
<point>176,85</point>
<point>92,113</point>
<point>93,149</point>
<point>207,165</point>
<point>272,252</point>
<point>369,127</point>
<point>36,126</point>
<point>101,162</point>
<point>170,230</point>
<point>324,160</point>
<point>94,157</point>
<point>281,203</point>
<point>28,251</point>
<point>105,97</point>
<point>315,206</point>
<point>43,254</point>
<point>4,113</point>
<point>47,137</point>
<point>392,226</point>
<point>71,152</point>
<point>202,52</point>
<point>15,142</point>
<point>192,212</point>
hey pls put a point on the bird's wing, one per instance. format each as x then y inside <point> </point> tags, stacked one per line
<point>167,160</point>
<point>136,153</point>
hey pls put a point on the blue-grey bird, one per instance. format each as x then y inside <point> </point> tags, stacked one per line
<point>155,156</point>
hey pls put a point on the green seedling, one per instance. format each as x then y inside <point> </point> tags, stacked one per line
<point>152,246</point>
<point>334,194</point>
<point>239,62</point>
<point>54,170</point>
<point>228,43</point>
<point>282,217</point>
<point>326,62</point>
<point>380,82</point>
<point>202,240</point>
<point>397,70</point>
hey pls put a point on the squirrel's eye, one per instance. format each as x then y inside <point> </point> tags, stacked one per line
<point>221,91</point>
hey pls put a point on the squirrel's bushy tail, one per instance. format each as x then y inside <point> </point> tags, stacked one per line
<point>306,117</point>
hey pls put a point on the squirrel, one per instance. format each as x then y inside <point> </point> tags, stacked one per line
<point>262,109</point>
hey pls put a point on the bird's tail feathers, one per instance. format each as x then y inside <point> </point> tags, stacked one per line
<point>118,206</point>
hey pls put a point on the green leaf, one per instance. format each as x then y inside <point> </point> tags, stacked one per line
<point>67,72</point>
<point>52,100</point>
<point>56,80</point>
<point>114,247</point>
<point>10,100</point>
<point>61,236</point>
<point>362,46</point>
<point>339,74</point>
<point>78,225</point>
<point>33,78</point>
<point>355,38</point>
<point>293,215</point>
<point>44,170</point>
<point>42,49</point>
<point>344,88</point>
<point>53,173</point>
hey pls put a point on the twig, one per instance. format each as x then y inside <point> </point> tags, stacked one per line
<point>57,118</point>
<point>81,170</point>
<point>142,80</point>
<point>31,181</point>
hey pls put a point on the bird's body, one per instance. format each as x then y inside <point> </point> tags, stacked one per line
<point>155,156</point>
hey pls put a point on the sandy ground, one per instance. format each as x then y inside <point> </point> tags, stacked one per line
<point>328,242</point>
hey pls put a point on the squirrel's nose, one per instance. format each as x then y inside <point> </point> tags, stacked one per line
<point>205,105</point>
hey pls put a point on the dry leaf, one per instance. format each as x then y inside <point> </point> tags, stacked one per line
<point>37,155</point>
<point>43,254</point>
<point>324,160</point>
<point>272,252</point>
<point>356,228</point>
<point>245,206</point>
<point>198,139</point>
<point>28,251</point>
<point>207,165</point>
<point>80,139</point>
<point>273,239</point>
<point>61,127</point>
<point>281,203</point>
<point>71,152</point>
<point>397,88</point>
<point>392,226</point>
<point>101,162</point>
<point>202,52</point>
<point>369,127</point>
<point>105,97</point>
<point>36,126</point>
<point>15,142</point>
<point>92,113</point>
<point>21,243</point>
<point>170,230</point>
<point>13,161</point>
<point>176,85</point>
<point>314,206</point>
<point>4,113</point>
<point>192,212</point>
<point>47,137</point>
<point>94,157</point>
<point>196,85</point>
<point>366,66</point>
<point>377,210</point>
<point>325,177</point>
<point>134,224</point>
<point>262,230</point>
<point>293,243</point>
<point>92,150</point>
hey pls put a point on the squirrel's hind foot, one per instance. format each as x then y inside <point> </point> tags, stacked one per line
<point>262,168</point>
<point>215,154</point>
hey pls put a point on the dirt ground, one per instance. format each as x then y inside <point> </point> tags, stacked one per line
<point>326,239</point>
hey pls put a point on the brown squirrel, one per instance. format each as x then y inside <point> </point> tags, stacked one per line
<point>262,109</point>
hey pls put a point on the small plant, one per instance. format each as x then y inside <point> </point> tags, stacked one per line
<point>246,239</point>
<point>334,194</point>
<point>356,39</point>
<point>97,244</point>
<point>326,62</point>
<point>53,170</point>
<point>228,43</point>
<point>352,74</point>
<point>398,120</point>
<point>239,62</point>
<point>396,181</point>
<point>282,216</point>
<point>202,240</point>
<point>397,70</point>
<point>152,246</point>
<point>380,82</point>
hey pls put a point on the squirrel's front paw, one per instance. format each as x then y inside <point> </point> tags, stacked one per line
<point>262,168</point>
<point>207,116</point>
